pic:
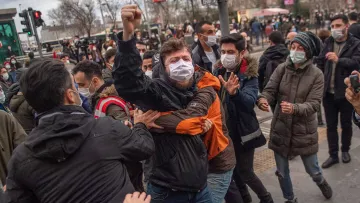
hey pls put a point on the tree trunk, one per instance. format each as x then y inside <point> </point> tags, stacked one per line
<point>192,8</point>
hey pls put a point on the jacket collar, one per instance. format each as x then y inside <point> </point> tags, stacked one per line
<point>251,67</point>
<point>215,49</point>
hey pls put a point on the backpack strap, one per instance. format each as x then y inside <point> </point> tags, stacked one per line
<point>104,103</point>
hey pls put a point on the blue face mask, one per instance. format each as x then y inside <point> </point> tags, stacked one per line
<point>297,57</point>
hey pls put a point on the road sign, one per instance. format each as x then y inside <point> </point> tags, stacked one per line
<point>209,2</point>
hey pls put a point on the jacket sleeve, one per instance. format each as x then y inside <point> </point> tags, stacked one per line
<point>189,121</point>
<point>117,113</point>
<point>246,96</point>
<point>18,134</point>
<point>130,82</point>
<point>351,63</point>
<point>313,100</point>
<point>128,144</point>
<point>320,60</point>
<point>272,87</point>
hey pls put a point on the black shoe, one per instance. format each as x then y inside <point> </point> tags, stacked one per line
<point>329,162</point>
<point>325,189</point>
<point>292,201</point>
<point>247,198</point>
<point>346,158</point>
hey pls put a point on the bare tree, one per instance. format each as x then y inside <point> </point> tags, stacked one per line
<point>113,7</point>
<point>82,11</point>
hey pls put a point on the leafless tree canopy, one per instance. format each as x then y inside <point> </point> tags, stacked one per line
<point>79,12</point>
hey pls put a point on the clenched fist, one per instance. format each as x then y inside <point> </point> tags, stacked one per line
<point>131,18</point>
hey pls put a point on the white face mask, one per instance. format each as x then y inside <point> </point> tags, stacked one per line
<point>211,41</point>
<point>337,33</point>
<point>5,76</point>
<point>94,48</point>
<point>149,73</point>
<point>229,61</point>
<point>78,95</point>
<point>142,55</point>
<point>181,70</point>
<point>13,61</point>
<point>7,66</point>
<point>85,91</point>
<point>297,57</point>
<point>2,97</point>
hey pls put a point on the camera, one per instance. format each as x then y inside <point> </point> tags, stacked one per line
<point>354,80</point>
<point>82,43</point>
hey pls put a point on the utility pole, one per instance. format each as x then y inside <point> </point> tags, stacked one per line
<point>224,17</point>
<point>102,14</point>
<point>147,18</point>
<point>35,31</point>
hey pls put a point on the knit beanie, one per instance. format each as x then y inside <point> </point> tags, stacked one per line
<point>311,43</point>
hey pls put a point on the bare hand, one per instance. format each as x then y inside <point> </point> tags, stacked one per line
<point>263,105</point>
<point>332,57</point>
<point>147,118</point>
<point>232,85</point>
<point>351,96</point>
<point>207,126</point>
<point>128,124</point>
<point>287,108</point>
<point>136,197</point>
<point>131,18</point>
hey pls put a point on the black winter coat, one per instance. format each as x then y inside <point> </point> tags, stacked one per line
<point>349,60</point>
<point>73,157</point>
<point>180,161</point>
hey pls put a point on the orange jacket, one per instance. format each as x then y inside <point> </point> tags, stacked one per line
<point>204,105</point>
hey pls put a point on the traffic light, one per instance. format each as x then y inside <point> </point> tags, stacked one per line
<point>38,21</point>
<point>26,22</point>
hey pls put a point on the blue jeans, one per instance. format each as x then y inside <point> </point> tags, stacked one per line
<point>167,195</point>
<point>218,184</point>
<point>282,164</point>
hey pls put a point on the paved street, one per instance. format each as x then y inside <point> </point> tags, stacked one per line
<point>344,178</point>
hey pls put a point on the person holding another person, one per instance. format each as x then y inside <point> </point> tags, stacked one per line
<point>297,85</point>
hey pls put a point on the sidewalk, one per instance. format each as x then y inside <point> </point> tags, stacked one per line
<point>344,178</point>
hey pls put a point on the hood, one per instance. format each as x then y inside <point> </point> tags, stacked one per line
<point>276,52</point>
<point>109,91</point>
<point>206,79</point>
<point>249,64</point>
<point>16,102</point>
<point>60,132</point>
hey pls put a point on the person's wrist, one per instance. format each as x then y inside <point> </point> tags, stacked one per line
<point>127,35</point>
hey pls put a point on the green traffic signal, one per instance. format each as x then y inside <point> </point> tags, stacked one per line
<point>29,33</point>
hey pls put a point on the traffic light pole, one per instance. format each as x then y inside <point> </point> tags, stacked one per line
<point>35,31</point>
<point>224,17</point>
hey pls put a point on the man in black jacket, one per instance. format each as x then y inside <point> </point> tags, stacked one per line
<point>71,156</point>
<point>180,164</point>
<point>354,28</point>
<point>207,52</point>
<point>271,58</point>
<point>339,57</point>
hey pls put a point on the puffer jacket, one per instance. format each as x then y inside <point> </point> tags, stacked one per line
<point>180,161</point>
<point>205,105</point>
<point>23,112</point>
<point>244,128</point>
<point>296,134</point>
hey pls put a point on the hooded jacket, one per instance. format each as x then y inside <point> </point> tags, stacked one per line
<point>271,58</point>
<point>205,105</point>
<point>23,112</point>
<point>72,157</point>
<point>296,134</point>
<point>180,161</point>
<point>244,128</point>
<point>349,60</point>
<point>12,135</point>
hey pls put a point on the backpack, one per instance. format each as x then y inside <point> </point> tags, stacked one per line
<point>270,68</point>
<point>105,102</point>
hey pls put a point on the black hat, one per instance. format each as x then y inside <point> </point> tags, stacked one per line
<point>311,43</point>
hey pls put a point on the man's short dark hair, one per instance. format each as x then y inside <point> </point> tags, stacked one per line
<point>89,68</point>
<point>31,55</point>
<point>109,53</point>
<point>343,17</point>
<point>172,45</point>
<point>353,16</point>
<point>276,38</point>
<point>236,39</point>
<point>200,25</point>
<point>140,42</point>
<point>45,83</point>
<point>63,55</point>
<point>149,54</point>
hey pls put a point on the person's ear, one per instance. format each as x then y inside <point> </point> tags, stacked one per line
<point>69,97</point>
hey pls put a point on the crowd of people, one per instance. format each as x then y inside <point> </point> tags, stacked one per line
<point>138,125</point>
